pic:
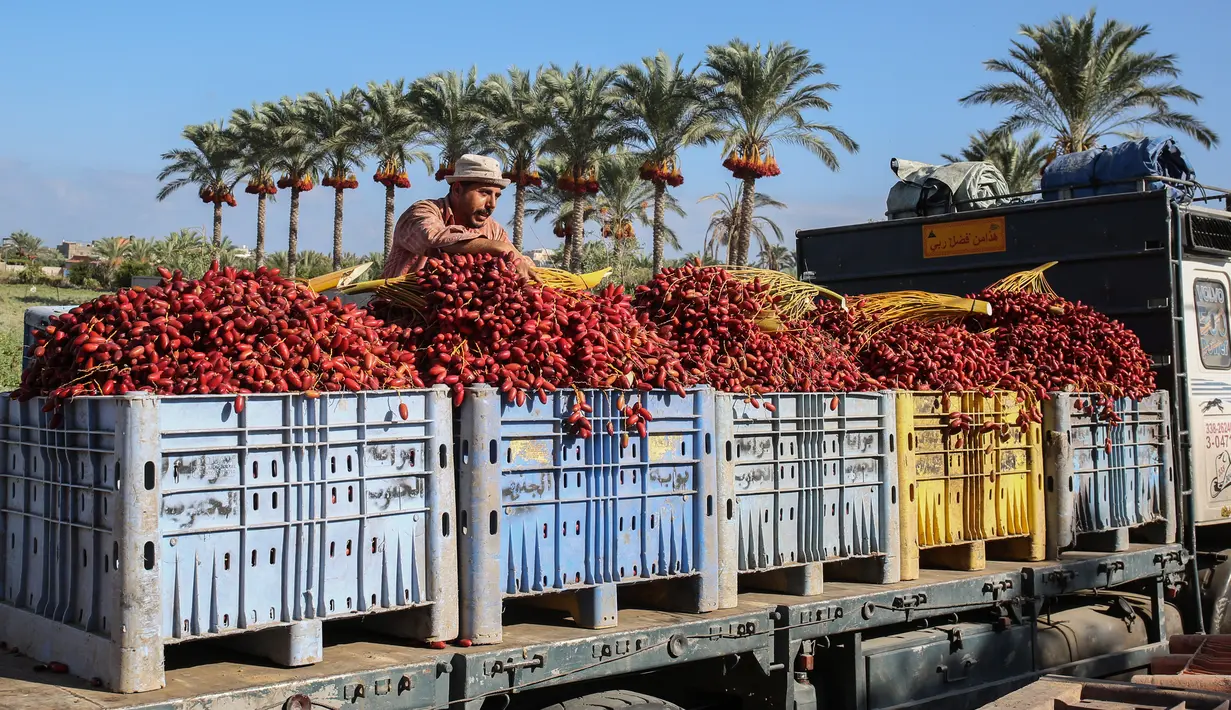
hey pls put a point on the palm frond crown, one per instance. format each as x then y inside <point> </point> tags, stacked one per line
<point>209,163</point>
<point>340,127</point>
<point>581,124</point>
<point>1080,81</point>
<point>394,133</point>
<point>1020,161</point>
<point>764,96</point>
<point>448,106</point>
<point>255,142</point>
<point>516,107</point>
<point>665,105</point>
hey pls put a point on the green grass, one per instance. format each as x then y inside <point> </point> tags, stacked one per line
<point>14,300</point>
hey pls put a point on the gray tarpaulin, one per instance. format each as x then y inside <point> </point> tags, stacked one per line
<point>924,189</point>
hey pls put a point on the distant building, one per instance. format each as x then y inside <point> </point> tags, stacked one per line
<point>541,257</point>
<point>75,250</point>
<point>243,253</point>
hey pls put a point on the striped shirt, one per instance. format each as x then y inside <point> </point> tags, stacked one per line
<point>429,225</point>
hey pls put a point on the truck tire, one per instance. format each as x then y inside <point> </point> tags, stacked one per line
<point>1217,597</point>
<point>614,700</point>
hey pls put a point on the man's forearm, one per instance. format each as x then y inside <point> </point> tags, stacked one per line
<point>478,245</point>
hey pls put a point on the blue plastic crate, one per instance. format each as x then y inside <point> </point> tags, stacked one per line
<point>1103,479</point>
<point>148,520</point>
<point>543,512</point>
<point>38,317</point>
<point>814,480</point>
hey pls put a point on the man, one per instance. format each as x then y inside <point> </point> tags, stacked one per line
<point>459,223</point>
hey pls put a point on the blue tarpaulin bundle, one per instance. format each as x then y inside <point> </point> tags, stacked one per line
<point>1106,171</point>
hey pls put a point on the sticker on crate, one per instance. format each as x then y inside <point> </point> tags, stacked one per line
<point>179,518</point>
<point>546,511</point>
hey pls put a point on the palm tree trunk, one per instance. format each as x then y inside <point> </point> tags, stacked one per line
<point>579,221</point>
<point>292,239</point>
<point>519,216</point>
<point>745,220</point>
<point>619,259</point>
<point>660,190</point>
<point>337,229</point>
<point>732,234</point>
<point>260,229</point>
<point>390,205</point>
<point>567,246</point>
<point>217,224</point>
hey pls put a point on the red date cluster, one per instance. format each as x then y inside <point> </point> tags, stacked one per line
<point>912,355</point>
<point>485,324</point>
<point>231,332</point>
<point>727,335</point>
<point>1051,344</point>
<point>944,357</point>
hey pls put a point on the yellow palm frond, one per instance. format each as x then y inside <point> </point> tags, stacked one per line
<point>566,280</point>
<point>893,307</point>
<point>337,279</point>
<point>1032,281</point>
<point>797,298</point>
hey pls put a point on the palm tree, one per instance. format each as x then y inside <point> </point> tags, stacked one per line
<point>760,98</point>
<point>1020,161</point>
<point>301,156</point>
<point>516,107</point>
<point>210,164</point>
<point>581,129</point>
<point>725,220</point>
<point>1082,82</point>
<point>394,134</point>
<point>622,204</point>
<point>448,105</point>
<point>111,252</point>
<point>776,257</point>
<point>545,201</point>
<point>142,251</point>
<point>667,106</point>
<point>342,134</point>
<point>258,150</point>
<point>22,246</point>
<point>378,262</point>
<point>184,250</point>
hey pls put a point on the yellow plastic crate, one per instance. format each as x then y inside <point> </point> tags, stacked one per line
<point>965,487</point>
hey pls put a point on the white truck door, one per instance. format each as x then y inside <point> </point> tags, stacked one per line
<point>1207,347</point>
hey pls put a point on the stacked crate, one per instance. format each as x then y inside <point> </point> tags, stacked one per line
<point>550,517</point>
<point>968,491</point>
<point>809,481</point>
<point>1103,478</point>
<point>145,521</point>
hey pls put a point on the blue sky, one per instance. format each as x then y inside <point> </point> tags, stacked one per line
<point>95,92</point>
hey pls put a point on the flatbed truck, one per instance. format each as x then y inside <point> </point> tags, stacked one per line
<point>949,639</point>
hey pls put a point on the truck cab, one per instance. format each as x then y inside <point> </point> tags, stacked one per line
<point>1158,260</point>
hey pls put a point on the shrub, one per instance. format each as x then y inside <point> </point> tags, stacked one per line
<point>124,275</point>
<point>82,272</point>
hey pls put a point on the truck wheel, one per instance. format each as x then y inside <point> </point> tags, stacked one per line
<point>614,700</point>
<point>1217,594</point>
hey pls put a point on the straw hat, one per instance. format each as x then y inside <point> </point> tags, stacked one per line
<point>477,168</point>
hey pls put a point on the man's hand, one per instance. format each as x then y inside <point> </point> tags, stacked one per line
<point>525,267</point>
<point>481,245</point>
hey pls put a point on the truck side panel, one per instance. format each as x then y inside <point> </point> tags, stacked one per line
<point>1113,254</point>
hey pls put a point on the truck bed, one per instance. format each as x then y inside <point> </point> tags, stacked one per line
<point>544,649</point>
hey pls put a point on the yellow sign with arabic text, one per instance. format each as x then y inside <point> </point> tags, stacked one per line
<point>974,236</point>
